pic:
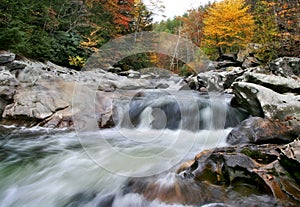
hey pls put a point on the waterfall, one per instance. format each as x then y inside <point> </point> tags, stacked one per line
<point>156,131</point>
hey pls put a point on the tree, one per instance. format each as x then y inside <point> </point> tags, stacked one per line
<point>193,25</point>
<point>228,26</point>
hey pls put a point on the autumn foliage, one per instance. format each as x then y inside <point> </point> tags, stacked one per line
<point>228,25</point>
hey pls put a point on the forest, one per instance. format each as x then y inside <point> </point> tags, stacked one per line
<point>67,32</point>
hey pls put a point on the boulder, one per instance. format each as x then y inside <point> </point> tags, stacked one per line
<point>263,131</point>
<point>218,81</point>
<point>263,102</point>
<point>36,103</point>
<point>248,175</point>
<point>276,83</point>
<point>286,67</point>
<point>290,160</point>
<point>250,62</point>
<point>211,80</point>
<point>8,86</point>
<point>250,169</point>
<point>6,57</point>
<point>15,65</point>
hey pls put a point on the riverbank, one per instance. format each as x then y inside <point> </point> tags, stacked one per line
<point>262,159</point>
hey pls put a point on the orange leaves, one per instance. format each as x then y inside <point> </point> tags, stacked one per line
<point>193,26</point>
<point>228,25</point>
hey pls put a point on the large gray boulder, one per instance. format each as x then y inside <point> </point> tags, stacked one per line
<point>276,83</point>
<point>286,67</point>
<point>263,102</point>
<point>50,104</point>
<point>263,131</point>
<point>36,103</point>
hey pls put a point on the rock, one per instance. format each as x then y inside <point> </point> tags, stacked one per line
<point>8,84</point>
<point>6,57</point>
<point>130,74</point>
<point>249,170</point>
<point>211,80</point>
<point>286,67</point>
<point>290,160</point>
<point>162,86</point>
<point>176,190</point>
<point>218,81</point>
<point>229,57</point>
<point>232,176</point>
<point>156,72</point>
<point>262,131</point>
<point>276,83</point>
<point>15,65</point>
<point>36,103</point>
<point>230,75</point>
<point>249,51</point>
<point>226,64</point>
<point>192,82</point>
<point>114,70</point>
<point>60,119</point>
<point>263,102</point>
<point>250,62</point>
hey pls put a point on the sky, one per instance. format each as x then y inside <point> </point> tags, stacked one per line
<point>177,7</point>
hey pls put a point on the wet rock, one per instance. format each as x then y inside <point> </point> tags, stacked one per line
<point>261,131</point>
<point>286,67</point>
<point>249,170</point>
<point>6,57</point>
<point>276,83</point>
<point>176,189</point>
<point>227,176</point>
<point>162,86</point>
<point>263,102</point>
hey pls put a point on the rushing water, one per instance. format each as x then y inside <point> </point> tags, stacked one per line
<point>42,167</point>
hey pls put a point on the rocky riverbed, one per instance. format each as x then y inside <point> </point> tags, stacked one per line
<point>264,153</point>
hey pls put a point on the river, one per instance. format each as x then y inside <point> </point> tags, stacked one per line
<point>59,167</point>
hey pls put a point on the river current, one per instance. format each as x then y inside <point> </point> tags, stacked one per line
<point>59,167</point>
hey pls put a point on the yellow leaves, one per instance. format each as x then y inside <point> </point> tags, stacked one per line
<point>76,61</point>
<point>228,23</point>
